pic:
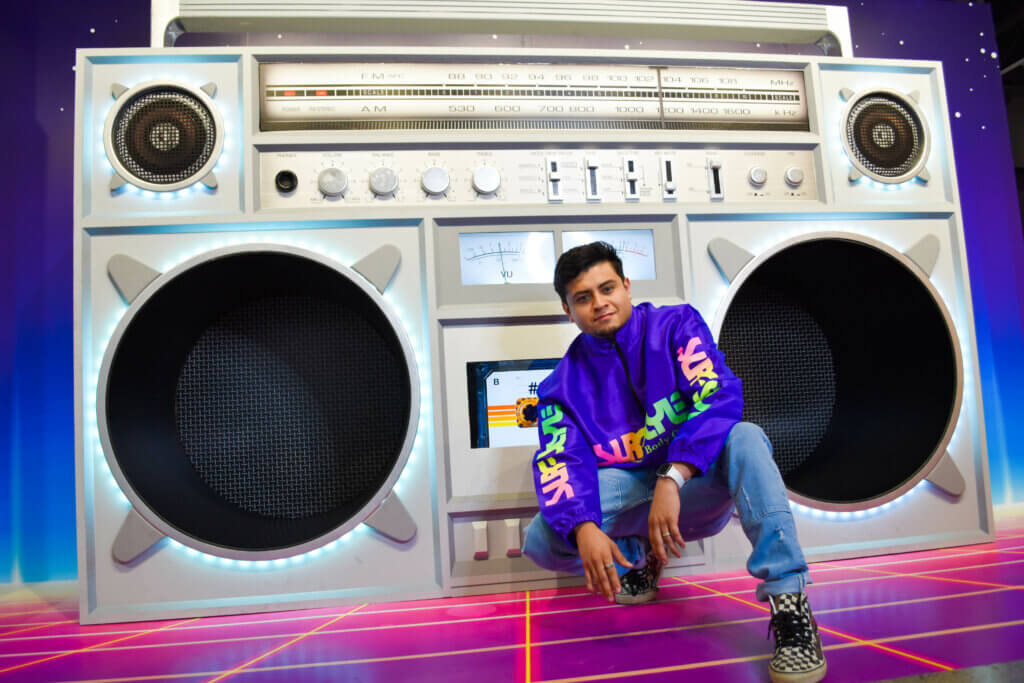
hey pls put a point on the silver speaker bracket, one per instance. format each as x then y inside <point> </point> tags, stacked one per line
<point>938,463</point>
<point>389,518</point>
<point>124,97</point>
<point>911,101</point>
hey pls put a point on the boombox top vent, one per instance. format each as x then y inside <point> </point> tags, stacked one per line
<point>163,136</point>
<point>885,136</point>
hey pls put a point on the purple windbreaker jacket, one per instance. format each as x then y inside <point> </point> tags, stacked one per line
<point>660,392</point>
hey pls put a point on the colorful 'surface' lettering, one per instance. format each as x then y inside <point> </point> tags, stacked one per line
<point>672,408</point>
<point>554,479</point>
<point>554,475</point>
<point>698,370</point>
<point>630,450</point>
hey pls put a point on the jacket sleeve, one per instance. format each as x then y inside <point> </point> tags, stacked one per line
<point>712,394</point>
<point>564,473</point>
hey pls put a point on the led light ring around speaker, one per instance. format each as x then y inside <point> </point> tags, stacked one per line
<point>196,117</point>
<point>907,125</point>
<point>841,456</point>
<point>230,295</point>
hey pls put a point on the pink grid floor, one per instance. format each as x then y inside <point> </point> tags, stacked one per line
<point>881,617</point>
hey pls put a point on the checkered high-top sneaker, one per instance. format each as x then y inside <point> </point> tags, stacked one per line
<point>798,657</point>
<point>640,585</point>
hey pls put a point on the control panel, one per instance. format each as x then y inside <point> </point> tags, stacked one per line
<point>534,176</point>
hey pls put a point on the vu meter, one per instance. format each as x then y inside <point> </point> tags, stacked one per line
<point>506,258</point>
<point>634,247</point>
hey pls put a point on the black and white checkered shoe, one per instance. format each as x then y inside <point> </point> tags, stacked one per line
<point>798,657</point>
<point>640,585</point>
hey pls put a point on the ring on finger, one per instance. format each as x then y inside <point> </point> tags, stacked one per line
<point>610,565</point>
<point>666,535</point>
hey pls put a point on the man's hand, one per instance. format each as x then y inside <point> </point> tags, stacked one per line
<point>597,551</point>
<point>663,522</point>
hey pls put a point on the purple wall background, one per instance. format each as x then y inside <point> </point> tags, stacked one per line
<point>37,492</point>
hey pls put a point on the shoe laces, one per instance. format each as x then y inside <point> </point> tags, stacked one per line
<point>792,629</point>
<point>635,581</point>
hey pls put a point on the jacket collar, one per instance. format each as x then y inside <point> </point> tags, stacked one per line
<point>627,337</point>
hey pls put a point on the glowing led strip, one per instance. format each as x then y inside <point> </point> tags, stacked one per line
<point>856,515</point>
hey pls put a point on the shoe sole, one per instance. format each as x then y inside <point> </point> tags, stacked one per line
<point>812,676</point>
<point>636,599</point>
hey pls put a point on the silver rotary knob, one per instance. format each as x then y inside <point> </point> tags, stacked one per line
<point>758,176</point>
<point>794,176</point>
<point>383,181</point>
<point>332,182</point>
<point>435,181</point>
<point>486,180</point>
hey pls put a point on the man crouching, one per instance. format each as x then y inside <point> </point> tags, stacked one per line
<point>642,449</point>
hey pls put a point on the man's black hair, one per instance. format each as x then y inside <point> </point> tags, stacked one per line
<point>581,259</point>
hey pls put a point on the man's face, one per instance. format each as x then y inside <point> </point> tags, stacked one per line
<point>598,301</point>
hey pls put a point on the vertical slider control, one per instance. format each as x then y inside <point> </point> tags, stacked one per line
<point>715,187</point>
<point>512,543</point>
<point>480,540</point>
<point>669,187</point>
<point>631,178</point>
<point>554,180</point>
<point>592,189</point>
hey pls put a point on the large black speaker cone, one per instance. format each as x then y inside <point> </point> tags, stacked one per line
<point>258,401</point>
<point>849,363</point>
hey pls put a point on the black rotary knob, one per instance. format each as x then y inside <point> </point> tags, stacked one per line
<point>286,181</point>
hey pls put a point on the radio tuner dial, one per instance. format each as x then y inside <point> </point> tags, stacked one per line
<point>794,176</point>
<point>486,180</point>
<point>383,181</point>
<point>435,181</point>
<point>757,176</point>
<point>332,182</point>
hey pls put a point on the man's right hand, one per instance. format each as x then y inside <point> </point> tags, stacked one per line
<point>597,551</point>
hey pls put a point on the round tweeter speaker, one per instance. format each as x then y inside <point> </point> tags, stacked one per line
<point>850,363</point>
<point>885,136</point>
<point>163,136</point>
<point>258,402</point>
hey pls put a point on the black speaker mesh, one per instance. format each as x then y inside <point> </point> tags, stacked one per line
<point>847,363</point>
<point>885,134</point>
<point>775,345</point>
<point>163,135</point>
<point>277,402</point>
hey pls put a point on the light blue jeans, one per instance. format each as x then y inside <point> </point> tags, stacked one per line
<point>744,476</point>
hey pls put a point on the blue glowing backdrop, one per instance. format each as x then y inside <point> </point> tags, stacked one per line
<point>37,492</point>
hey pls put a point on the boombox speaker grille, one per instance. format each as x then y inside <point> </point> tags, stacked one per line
<point>258,401</point>
<point>164,135</point>
<point>885,136</point>
<point>849,365</point>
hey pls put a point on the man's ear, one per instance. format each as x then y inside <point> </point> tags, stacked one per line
<point>565,307</point>
<point>625,281</point>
